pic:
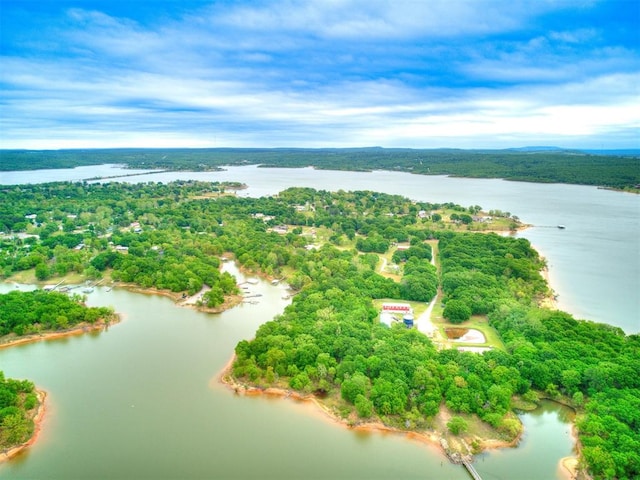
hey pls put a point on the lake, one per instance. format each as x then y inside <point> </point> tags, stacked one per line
<point>141,400</point>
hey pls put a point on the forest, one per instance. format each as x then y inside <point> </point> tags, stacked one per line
<point>27,313</point>
<point>557,166</point>
<point>18,401</point>
<point>330,247</point>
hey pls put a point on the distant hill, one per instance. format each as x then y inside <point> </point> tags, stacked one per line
<point>618,169</point>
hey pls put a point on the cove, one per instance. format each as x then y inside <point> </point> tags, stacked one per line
<point>594,263</point>
<point>141,400</point>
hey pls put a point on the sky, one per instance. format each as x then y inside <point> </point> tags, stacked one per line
<point>319,73</point>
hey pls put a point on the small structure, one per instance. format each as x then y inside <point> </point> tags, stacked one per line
<point>387,318</point>
<point>397,308</point>
<point>396,312</point>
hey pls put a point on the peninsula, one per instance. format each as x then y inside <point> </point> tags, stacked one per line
<point>345,254</point>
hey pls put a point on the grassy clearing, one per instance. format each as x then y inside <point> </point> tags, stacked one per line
<point>418,307</point>
<point>480,322</point>
<point>29,277</point>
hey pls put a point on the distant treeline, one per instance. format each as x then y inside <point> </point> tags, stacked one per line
<point>550,166</point>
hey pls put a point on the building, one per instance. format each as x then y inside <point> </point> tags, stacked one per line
<point>396,312</point>
<point>403,308</point>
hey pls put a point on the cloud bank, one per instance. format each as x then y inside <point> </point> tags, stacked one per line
<point>326,73</point>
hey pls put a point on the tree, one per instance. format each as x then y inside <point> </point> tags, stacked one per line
<point>364,407</point>
<point>353,387</point>
<point>466,219</point>
<point>578,399</point>
<point>457,425</point>
<point>213,297</point>
<point>456,311</point>
<point>42,271</point>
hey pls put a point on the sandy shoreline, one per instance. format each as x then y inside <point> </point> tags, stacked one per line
<point>434,440</point>
<point>570,466</point>
<point>230,301</point>
<point>37,421</point>
<point>49,335</point>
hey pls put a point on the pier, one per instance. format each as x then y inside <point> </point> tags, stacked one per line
<point>472,471</point>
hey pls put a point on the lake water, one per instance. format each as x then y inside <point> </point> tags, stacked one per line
<point>141,401</point>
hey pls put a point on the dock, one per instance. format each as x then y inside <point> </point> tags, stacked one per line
<point>51,288</point>
<point>471,469</point>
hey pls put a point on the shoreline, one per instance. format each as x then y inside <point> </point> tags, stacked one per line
<point>53,334</point>
<point>37,426</point>
<point>230,301</point>
<point>568,467</point>
<point>435,440</point>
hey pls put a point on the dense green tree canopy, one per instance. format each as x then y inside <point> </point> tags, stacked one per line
<point>32,312</point>
<point>17,402</point>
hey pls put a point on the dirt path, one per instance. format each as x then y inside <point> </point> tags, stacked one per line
<point>193,299</point>
<point>424,322</point>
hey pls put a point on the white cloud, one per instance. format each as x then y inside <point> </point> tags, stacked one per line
<point>385,18</point>
<point>319,73</point>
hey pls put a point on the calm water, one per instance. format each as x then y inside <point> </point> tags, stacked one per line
<point>141,401</point>
<point>138,401</point>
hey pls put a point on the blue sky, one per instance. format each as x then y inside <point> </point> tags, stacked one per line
<point>319,73</point>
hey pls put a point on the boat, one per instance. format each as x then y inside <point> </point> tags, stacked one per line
<point>87,290</point>
<point>561,227</point>
<point>252,281</point>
